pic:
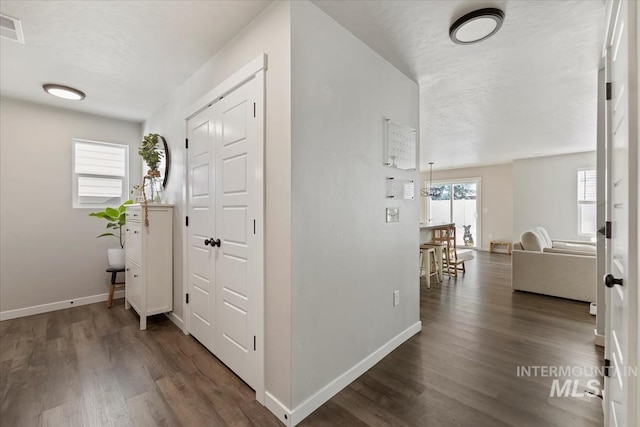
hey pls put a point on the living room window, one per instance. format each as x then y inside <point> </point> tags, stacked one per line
<point>587,197</point>
<point>100,173</point>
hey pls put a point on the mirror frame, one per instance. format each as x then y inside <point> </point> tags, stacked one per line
<point>167,161</point>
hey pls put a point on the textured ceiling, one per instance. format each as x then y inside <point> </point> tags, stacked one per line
<point>127,56</point>
<point>529,90</point>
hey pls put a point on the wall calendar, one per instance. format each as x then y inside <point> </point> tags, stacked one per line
<point>400,146</point>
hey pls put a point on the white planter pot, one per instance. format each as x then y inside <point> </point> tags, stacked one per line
<point>116,258</point>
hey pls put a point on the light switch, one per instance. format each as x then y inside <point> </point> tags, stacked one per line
<point>393,214</point>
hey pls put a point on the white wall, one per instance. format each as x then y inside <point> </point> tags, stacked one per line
<point>496,194</point>
<point>346,260</point>
<point>269,33</point>
<point>49,251</point>
<point>545,193</point>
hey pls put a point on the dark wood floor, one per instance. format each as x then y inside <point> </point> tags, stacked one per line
<point>92,366</point>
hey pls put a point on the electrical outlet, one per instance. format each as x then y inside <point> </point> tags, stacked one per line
<point>490,236</point>
<point>396,297</point>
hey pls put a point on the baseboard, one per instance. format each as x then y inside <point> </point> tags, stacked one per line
<point>60,305</point>
<point>278,409</point>
<point>175,319</point>
<point>334,387</point>
<point>598,339</point>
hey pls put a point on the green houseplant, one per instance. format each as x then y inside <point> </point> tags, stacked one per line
<point>115,218</point>
<point>152,153</point>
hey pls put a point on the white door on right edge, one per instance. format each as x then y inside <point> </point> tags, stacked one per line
<point>621,281</point>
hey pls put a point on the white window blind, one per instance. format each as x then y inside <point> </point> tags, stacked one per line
<point>587,190</point>
<point>100,173</point>
<point>587,197</point>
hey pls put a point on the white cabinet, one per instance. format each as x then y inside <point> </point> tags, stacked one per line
<point>149,260</point>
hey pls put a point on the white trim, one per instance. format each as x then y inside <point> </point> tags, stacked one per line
<point>277,408</point>
<point>598,339</point>
<point>237,79</point>
<point>259,276</point>
<point>334,387</point>
<point>175,319</point>
<point>253,70</point>
<point>59,305</point>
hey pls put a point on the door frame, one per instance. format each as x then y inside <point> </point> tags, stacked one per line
<point>253,70</point>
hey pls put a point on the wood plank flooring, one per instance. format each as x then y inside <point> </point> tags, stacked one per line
<point>89,366</point>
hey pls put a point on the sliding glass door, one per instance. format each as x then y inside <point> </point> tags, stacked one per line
<point>458,202</point>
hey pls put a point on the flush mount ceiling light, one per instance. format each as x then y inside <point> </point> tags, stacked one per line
<point>65,92</point>
<point>476,26</point>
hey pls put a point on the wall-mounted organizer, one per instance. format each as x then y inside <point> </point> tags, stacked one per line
<point>403,189</point>
<point>400,146</point>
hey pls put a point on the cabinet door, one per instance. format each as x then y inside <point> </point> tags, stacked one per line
<point>133,287</point>
<point>133,242</point>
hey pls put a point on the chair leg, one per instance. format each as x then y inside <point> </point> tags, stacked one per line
<point>110,300</point>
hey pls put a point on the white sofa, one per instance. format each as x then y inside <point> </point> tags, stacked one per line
<point>565,269</point>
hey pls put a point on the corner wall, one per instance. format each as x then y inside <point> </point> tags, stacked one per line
<point>347,260</point>
<point>496,194</point>
<point>49,252</point>
<point>270,33</point>
<point>545,193</point>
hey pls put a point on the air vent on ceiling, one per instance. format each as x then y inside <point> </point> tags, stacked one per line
<point>11,28</point>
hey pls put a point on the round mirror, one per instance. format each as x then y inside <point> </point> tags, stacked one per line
<point>165,162</point>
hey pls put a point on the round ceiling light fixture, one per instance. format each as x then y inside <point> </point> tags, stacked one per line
<point>476,26</point>
<point>65,92</point>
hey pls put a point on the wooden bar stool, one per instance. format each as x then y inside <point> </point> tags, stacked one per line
<point>114,275</point>
<point>429,265</point>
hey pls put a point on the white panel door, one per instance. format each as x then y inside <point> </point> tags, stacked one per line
<point>201,198</point>
<point>226,208</point>
<point>622,280</point>
<point>236,189</point>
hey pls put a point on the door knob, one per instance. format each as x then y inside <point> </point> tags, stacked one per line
<point>212,242</point>
<point>609,280</point>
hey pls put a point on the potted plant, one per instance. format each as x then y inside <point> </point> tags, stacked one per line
<point>115,220</point>
<point>152,154</point>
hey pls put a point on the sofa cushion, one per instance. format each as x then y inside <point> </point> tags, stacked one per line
<point>545,234</point>
<point>590,249</point>
<point>567,252</point>
<point>532,241</point>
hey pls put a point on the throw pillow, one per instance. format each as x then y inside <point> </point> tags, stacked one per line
<point>531,241</point>
<point>545,235</point>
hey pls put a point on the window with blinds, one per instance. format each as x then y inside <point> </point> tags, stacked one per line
<point>100,174</point>
<point>587,197</point>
